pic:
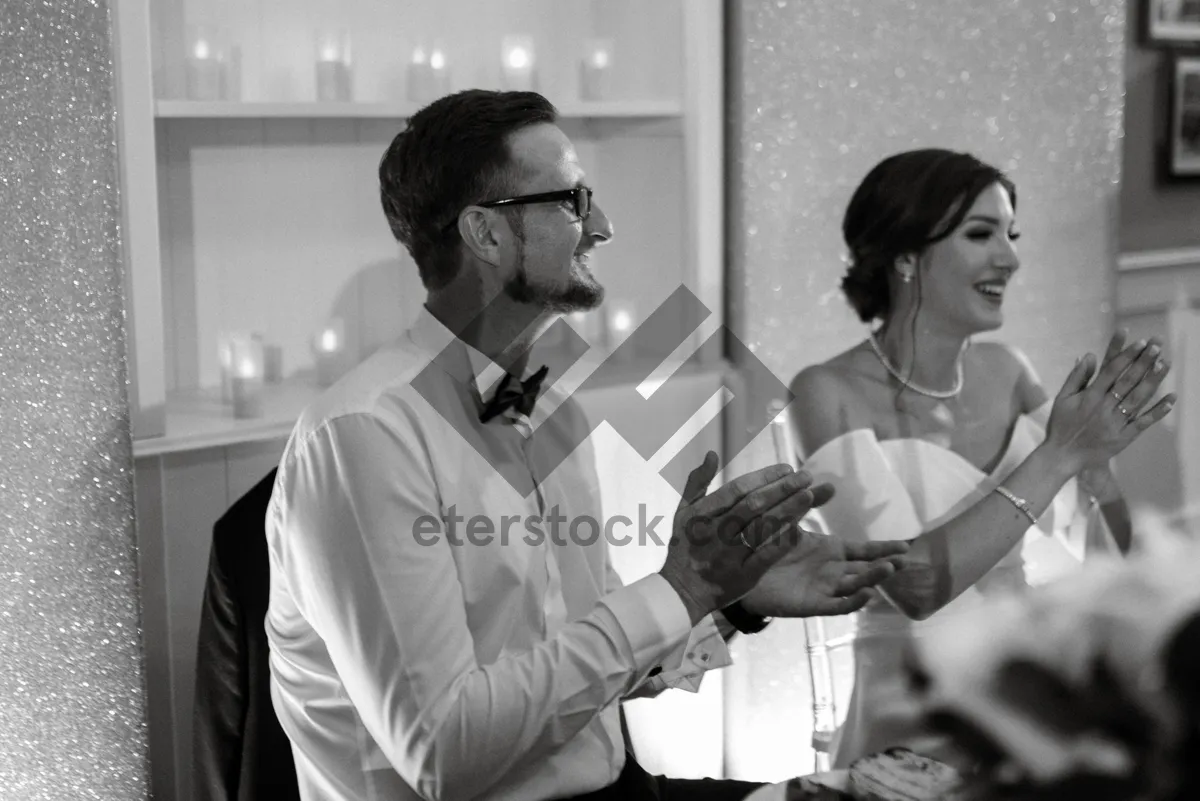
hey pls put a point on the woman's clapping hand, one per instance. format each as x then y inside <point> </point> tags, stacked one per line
<point>1098,413</point>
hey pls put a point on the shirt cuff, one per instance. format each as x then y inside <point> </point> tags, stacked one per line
<point>704,650</point>
<point>654,620</point>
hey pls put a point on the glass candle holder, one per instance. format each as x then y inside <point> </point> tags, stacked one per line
<point>439,72</point>
<point>239,354</point>
<point>620,321</point>
<point>205,73</point>
<point>329,347</point>
<point>595,70</point>
<point>246,386</point>
<point>419,78</point>
<point>334,76</point>
<point>518,64</point>
<point>232,348</point>
<point>428,74</point>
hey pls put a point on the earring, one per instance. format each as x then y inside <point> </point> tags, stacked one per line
<point>906,277</point>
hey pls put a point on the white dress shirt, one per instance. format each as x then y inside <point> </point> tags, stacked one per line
<point>409,660</point>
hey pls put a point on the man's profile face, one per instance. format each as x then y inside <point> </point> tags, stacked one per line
<point>551,266</point>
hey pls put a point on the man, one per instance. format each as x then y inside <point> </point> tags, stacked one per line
<point>411,659</point>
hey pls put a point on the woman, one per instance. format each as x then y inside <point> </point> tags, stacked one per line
<point>952,445</point>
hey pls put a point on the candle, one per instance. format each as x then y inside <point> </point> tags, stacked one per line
<point>595,70</point>
<point>333,66</point>
<point>517,64</point>
<point>622,324</point>
<point>328,347</point>
<point>621,319</point>
<point>246,386</point>
<point>204,71</point>
<point>240,355</point>
<point>439,71</point>
<point>428,75</point>
<point>419,78</point>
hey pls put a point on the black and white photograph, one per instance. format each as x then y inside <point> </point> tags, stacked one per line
<point>1173,22</point>
<point>600,400</point>
<point>1185,118</point>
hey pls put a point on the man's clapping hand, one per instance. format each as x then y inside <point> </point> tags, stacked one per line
<point>723,543</point>
<point>743,542</point>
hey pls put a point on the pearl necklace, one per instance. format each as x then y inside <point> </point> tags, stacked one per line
<point>932,393</point>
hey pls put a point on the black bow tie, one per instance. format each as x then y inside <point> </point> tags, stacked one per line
<point>520,395</point>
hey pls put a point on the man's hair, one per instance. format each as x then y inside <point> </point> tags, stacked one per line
<point>454,152</point>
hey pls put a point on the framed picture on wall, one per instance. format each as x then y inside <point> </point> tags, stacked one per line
<point>1172,22</point>
<point>1184,131</point>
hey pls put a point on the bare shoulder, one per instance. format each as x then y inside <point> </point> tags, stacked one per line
<point>1010,366</point>
<point>825,404</point>
<point>817,385</point>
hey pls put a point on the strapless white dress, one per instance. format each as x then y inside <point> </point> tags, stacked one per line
<point>894,490</point>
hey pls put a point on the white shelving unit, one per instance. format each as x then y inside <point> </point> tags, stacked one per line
<point>261,213</point>
<point>200,110</point>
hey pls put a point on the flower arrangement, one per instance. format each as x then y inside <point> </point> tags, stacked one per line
<point>1088,688</point>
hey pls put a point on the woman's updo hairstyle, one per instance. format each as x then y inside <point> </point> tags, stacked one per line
<point>906,203</point>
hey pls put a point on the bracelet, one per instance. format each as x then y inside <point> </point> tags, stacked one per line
<point>1019,503</point>
<point>744,621</point>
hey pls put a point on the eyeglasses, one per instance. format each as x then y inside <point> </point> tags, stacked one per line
<point>580,197</point>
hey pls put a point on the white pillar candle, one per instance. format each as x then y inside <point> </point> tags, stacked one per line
<point>620,320</point>
<point>439,72</point>
<point>204,70</point>
<point>595,70</point>
<point>517,64</point>
<point>418,76</point>
<point>247,390</point>
<point>328,353</point>
<point>428,74</point>
<point>333,67</point>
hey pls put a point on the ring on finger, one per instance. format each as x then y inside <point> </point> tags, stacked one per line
<point>1117,395</point>
<point>1122,410</point>
<point>742,538</point>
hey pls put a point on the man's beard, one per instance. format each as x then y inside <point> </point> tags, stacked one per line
<point>581,293</point>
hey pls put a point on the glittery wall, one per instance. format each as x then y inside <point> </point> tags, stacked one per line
<point>71,697</point>
<point>821,90</point>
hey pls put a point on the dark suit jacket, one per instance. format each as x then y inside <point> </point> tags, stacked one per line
<point>240,752</point>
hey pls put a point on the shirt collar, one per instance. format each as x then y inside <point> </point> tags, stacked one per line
<point>458,358</point>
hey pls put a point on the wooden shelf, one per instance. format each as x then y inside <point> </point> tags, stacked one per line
<point>199,419</point>
<point>192,109</point>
